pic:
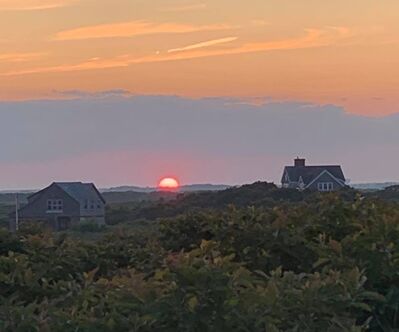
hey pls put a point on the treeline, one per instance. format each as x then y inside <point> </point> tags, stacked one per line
<point>259,194</point>
<point>389,194</point>
<point>324,263</point>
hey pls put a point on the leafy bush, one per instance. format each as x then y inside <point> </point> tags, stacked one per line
<point>323,263</point>
<point>89,227</point>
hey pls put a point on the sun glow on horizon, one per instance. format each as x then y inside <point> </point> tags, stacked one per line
<point>168,183</point>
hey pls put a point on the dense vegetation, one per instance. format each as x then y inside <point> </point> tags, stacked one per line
<point>258,194</point>
<point>391,193</point>
<point>251,259</point>
<point>5,211</point>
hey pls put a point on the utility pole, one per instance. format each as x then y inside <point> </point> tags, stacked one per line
<point>16,212</point>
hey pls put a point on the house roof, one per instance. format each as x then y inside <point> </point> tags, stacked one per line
<point>309,173</point>
<point>78,190</point>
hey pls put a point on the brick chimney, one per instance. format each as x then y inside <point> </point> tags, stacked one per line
<point>299,162</point>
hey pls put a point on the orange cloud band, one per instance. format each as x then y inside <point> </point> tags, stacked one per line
<point>135,28</point>
<point>313,38</point>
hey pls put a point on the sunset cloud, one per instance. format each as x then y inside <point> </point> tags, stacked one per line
<point>19,57</point>
<point>33,4</point>
<point>283,50</point>
<point>92,64</point>
<point>312,38</point>
<point>259,23</point>
<point>135,28</point>
<point>185,8</point>
<point>203,44</point>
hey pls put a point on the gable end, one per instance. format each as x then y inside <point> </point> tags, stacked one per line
<point>328,174</point>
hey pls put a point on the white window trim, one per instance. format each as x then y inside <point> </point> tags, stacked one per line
<point>338,181</point>
<point>325,186</point>
<point>55,206</point>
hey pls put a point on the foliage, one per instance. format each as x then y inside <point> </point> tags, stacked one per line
<point>121,197</point>
<point>319,263</point>
<point>89,227</point>
<point>5,212</point>
<point>390,193</point>
<point>256,194</point>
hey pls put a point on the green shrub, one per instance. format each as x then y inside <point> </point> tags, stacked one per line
<point>326,263</point>
<point>89,227</point>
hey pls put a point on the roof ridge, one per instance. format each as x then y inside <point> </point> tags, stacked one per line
<point>309,172</point>
<point>314,166</point>
<point>78,190</point>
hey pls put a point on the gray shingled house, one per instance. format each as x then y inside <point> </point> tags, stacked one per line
<point>317,178</point>
<point>63,204</point>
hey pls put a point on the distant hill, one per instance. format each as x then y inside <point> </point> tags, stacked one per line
<point>256,194</point>
<point>186,188</point>
<point>390,193</point>
<point>373,186</point>
<point>121,189</point>
<point>129,194</point>
<point>9,198</point>
<point>112,197</point>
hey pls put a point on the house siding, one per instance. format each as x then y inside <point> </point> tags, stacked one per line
<point>325,178</point>
<point>92,208</point>
<point>285,181</point>
<point>37,210</point>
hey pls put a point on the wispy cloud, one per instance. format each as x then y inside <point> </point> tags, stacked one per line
<point>80,94</point>
<point>19,57</point>
<point>259,23</point>
<point>313,38</point>
<point>203,44</point>
<point>15,5</point>
<point>93,64</point>
<point>135,28</point>
<point>185,8</point>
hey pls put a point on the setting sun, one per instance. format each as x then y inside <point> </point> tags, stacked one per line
<point>168,184</point>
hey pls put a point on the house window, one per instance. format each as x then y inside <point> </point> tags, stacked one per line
<point>325,186</point>
<point>86,204</point>
<point>92,205</point>
<point>55,205</point>
<point>98,204</point>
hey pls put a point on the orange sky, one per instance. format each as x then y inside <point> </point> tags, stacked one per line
<point>343,52</point>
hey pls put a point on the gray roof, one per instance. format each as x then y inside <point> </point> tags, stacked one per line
<point>79,191</point>
<point>309,173</point>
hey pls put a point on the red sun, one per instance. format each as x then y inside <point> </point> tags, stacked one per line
<point>168,183</point>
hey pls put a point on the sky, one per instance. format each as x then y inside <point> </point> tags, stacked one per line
<point>126,91</point>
